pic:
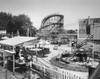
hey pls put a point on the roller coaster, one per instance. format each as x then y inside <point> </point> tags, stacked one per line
<point>51,24</point>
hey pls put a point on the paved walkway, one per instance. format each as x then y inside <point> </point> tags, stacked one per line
<point>70,66</point>
<point>3,73</point>
<point>59,51</point>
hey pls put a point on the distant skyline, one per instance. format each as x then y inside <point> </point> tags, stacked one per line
<point>73,10</point>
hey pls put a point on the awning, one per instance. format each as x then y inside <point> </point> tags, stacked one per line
<point>17,40</point>
<point>14,42</point>
<point>44,42</point>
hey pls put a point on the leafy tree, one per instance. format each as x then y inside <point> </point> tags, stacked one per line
<point>12,24</point>
<point>20,23</point>
<point>33,31</point>
<point>71,31</point>
<point>4,19</point>
<point>23,23</point>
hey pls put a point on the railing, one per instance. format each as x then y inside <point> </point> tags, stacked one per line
<point>42,61</point>
<point>53,67</point>
<point>96,73</point>
<point>85,41</point>
<point>54,73</point>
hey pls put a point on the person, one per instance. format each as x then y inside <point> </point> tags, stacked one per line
<point>72,44</point>
<point>17,49</point>
<point>21,57</point>
<point>35,45</point>
<point>85,57</point>
<point>5,62</point>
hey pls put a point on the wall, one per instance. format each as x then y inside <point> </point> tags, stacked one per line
<point>94,24</point>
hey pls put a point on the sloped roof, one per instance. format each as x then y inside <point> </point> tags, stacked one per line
<point>17,40</point>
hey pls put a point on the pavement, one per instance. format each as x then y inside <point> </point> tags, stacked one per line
<point>62,49</point>
<point>7,74</point>
<point>74,66</point>
<point>3,74</point>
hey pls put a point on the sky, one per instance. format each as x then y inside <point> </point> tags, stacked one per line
<point>73,10</point>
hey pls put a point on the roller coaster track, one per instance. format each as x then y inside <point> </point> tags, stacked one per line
<point>58,17</point>
<point>51,23</point>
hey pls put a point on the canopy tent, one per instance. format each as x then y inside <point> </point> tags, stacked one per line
<point>14,42</point>
<point>82,51</point>
<point>44,42</point>
<point>30,44</point>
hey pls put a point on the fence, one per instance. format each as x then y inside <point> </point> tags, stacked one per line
<point>53,72</point>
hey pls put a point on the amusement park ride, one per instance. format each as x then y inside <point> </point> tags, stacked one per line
<point>52,23</point>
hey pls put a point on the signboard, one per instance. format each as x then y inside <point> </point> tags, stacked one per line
<point>97,20</point>
<point>96,34</point>
<point>83,36</point>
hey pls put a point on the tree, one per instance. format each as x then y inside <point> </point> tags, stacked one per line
<point>23,24</point>
<point>33,31</point>
<point>71,31</point>
<point>12,24</point>
<point>20,23</point>
<point>4,19</point>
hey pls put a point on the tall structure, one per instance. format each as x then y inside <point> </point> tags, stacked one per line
<point>88,27</point>
<point>51,25</point>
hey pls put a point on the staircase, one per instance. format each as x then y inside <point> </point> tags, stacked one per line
<point>84,42</point>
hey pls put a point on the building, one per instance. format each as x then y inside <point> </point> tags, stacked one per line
<point>89,27</point>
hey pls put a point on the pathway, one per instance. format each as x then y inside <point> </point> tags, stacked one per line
<point>3,73</point>
<point>59,51</point>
